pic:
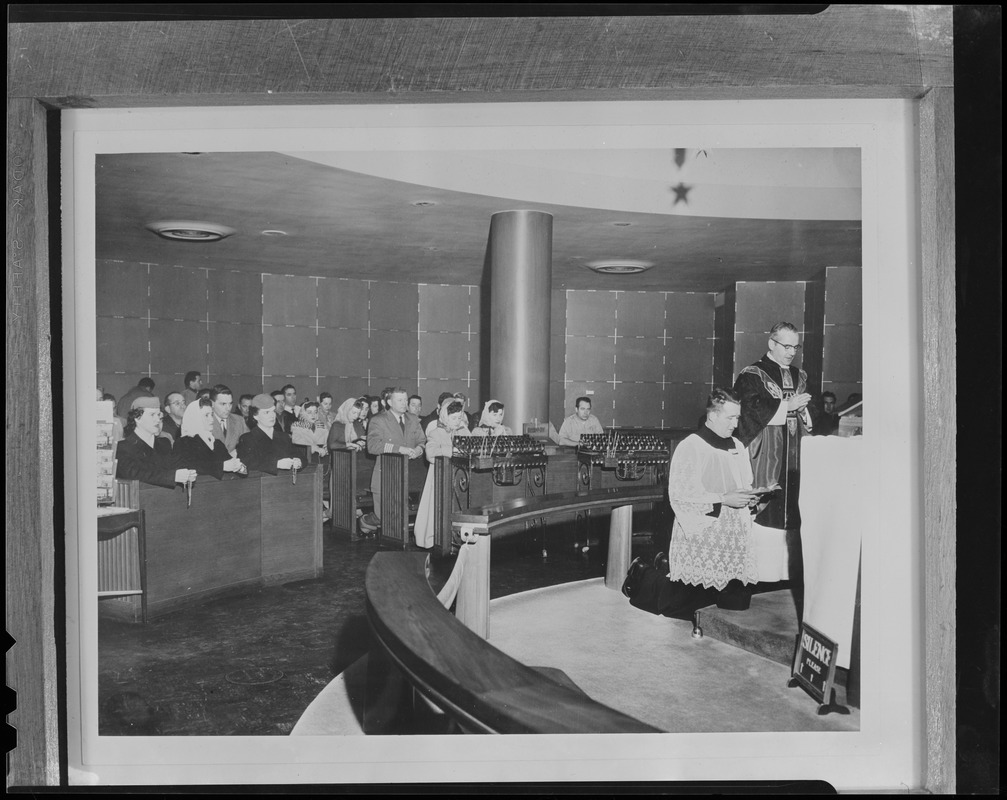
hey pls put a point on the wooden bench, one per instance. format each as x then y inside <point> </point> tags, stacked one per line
<point>237,533</point>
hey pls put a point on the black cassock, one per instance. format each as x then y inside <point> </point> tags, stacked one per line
<point>775,449</point>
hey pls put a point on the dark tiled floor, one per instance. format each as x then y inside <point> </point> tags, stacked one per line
<point>251,664</point>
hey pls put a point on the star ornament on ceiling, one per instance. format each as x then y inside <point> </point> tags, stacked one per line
<point>681,193</point>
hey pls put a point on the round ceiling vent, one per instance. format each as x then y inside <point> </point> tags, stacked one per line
<point>190,230</point>
<point>620,266</point>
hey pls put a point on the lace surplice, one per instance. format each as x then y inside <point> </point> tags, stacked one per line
<point>709,550</point>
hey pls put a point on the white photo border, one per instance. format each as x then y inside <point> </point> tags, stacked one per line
<point>888,750</point>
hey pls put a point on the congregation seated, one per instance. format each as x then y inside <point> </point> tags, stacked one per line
<point>265,447</point>
<point>199,448</point>
<point>491,421</point>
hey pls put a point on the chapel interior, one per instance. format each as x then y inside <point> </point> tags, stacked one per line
<point>348,271</point>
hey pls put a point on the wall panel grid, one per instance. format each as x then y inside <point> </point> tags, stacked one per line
<point>639,355</point>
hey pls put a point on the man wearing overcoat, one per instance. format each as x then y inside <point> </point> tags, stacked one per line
<point>391,431</point>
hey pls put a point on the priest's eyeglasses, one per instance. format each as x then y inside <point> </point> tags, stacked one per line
<point>790,348</point>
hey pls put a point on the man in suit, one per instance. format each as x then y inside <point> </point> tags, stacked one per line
<point>290,412</point>
<point>174,408</point>
<point>224,424</point>
<point>145,455</point>
<point>391,431</point>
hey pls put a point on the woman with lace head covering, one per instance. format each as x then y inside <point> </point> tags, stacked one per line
<point>197,446</point>
<point>491,421</point>
<point>451,421</point>
<point>348,429</point>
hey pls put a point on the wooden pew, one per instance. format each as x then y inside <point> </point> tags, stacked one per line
<point>402,480</point>
<point>238,533</point>
<point>349,490</point>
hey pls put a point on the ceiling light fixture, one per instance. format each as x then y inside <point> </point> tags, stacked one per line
<point>620,266</point>
<point>272,232</point>
<point>190,230</point>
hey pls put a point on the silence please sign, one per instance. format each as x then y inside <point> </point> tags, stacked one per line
<point>815,668</point>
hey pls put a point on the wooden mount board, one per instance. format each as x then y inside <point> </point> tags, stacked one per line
<point>846,51</point>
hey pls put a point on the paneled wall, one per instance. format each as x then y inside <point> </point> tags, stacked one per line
<point>827,311</point>
<point>647,359</point>
<point>758,307</point>
<point>842,360</point>
<point>256,332</point>
<point>644,358</point>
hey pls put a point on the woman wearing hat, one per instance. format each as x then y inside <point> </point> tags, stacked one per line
<point>265,447</point>
<point>143,454</point>
<point>198,447</point>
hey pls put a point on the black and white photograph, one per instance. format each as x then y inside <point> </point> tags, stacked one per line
<point>633,371</point>
<point>600,420</point>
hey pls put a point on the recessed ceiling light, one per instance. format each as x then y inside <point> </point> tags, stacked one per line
<point>619,266</point>
<point>423,203</point>
<point>272,232</point>
<point>190,230</point>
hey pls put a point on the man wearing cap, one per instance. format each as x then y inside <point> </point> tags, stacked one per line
<point>143,454</point>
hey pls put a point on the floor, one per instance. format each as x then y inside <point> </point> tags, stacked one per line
<point>647,666</point>
<point>251,664</point>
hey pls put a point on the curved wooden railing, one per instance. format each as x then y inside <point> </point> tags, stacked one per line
<point>477,525</point>
<point>483,689</point>
<point>446,658</point>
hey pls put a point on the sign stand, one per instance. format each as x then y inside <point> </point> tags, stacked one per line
<point>815,669</point>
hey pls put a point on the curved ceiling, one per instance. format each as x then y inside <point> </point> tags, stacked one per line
<point>423,217</point>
